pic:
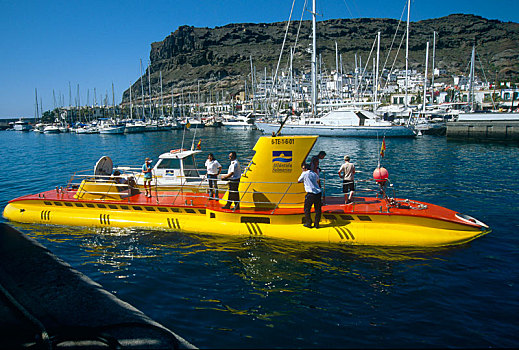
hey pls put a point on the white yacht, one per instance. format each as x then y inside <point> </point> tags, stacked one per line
<point>174,169</point>
<point>109,127</point>
<point>87,129</point>
<point>22,125</point>
<point>135,126</point>
<point>342,122</point>
<point>51,129</point>
<point>38,127</point>
<point>238,122</point>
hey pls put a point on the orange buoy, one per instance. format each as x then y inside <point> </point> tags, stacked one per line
<point>380,175</point>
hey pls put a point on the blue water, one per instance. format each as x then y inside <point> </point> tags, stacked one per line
<point>240,292</point>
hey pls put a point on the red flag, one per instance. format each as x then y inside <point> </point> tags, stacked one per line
<point>199,145</point>
<point>383,148</point>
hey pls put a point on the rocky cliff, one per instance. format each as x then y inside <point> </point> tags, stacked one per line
<point>220,57</point>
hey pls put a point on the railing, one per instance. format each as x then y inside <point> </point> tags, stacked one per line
<point>122,188</point>
<point>108,186</point>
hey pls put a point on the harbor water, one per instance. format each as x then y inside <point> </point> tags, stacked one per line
<point>249,292</point>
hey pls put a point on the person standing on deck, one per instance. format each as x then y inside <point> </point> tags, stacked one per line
<point>214,168</point>
<point>233,175</point>
<point>346,172</point>
<point>146,170</point>
<point>313,195</point>
<point>314,163</point>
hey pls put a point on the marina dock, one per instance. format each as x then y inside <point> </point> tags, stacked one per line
<point>483,126</point>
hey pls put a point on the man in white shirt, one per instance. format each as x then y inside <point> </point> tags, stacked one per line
<point>214,168</point>
<point>233,175</point>
<point>313,195</point>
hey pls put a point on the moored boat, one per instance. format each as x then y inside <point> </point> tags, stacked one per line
<point>133,127</point>
<point>342,122</point>
<point>271,205</point>
<point>51,129</point>
<point>176,169</point>
<point>22,125</point>
<point>109,127</point>
<point>238,122</point>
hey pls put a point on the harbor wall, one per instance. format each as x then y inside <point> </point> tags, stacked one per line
<point>498,130</point>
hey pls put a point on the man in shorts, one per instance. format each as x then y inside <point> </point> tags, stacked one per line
<point>146,170</point>
<point>346,172</point>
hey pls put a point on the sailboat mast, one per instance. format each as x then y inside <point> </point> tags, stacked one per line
<point>182,102</point>
<point>113,99</point>
<point>142,95</point>
<point>432,67</point>
<point>36,113</point>
<point>407,51</point>
<point>314,62</point>
<point>356,79</point>
<point>253,86</point>
<point>336,70</point>
<point>149,89</point>
<point>425,78</point>
<point>291,81</point>
<point>198,99</point>
<point>471,89</point>
<point>161,97</point>
<point>172,103</point>
<point>375,88</point>
<point>340,81</point>
<point>131,109</point>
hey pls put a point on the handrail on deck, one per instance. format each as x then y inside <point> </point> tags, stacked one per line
<point>108,180</point>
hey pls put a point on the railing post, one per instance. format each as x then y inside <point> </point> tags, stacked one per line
<point>283,196</point>
<point>241,197</point>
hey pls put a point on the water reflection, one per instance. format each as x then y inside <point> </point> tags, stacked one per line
<point>265,265</point>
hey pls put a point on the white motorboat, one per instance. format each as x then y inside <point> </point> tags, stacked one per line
<point>430,126</point>
<point>174,169</point>
<point>238,122</point>
<point>134,127</point>
<point>64,128</point>
<point>87,129</point>
<point>109,127</point>
<point>51,129</point>
<point>342,122</point>
<point>38,127</point>
<point>192,123</point>
<point>22,125</point>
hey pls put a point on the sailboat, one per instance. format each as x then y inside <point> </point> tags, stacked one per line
<point>424,123</point>
<point>133,126</point>
<point>111,126</point>
<point>350,120</point>
<point>483,125</point>
<point>474,115</point>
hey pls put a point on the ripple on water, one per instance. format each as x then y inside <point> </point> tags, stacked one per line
<point>242,292</point>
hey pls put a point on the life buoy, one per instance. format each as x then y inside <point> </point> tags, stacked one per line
<point>177,150</point>
<point>380,175</point>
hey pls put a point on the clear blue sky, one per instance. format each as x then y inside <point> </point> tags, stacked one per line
<point>47,44</point>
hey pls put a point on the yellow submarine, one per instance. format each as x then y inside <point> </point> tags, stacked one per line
<point>271,205</point>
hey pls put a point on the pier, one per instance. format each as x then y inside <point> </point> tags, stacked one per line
<point>494,127</point>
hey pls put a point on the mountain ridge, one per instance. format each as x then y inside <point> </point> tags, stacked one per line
<point>219,58</point>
